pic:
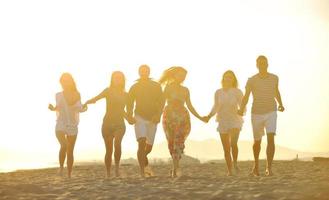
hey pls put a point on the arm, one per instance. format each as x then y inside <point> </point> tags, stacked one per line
<point>278,99</point>
<point>127,116</point>
<point>82,108</point>
<point>78,107</point>
<point>160,102</point>
<point>96,98</point>
<point>54,108</point>
<point>130,101</point>
<point>190,106</point>
<point>215,106</point>
<point>244,101</point>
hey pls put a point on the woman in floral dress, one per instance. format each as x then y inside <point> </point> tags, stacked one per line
<point>176,117</point>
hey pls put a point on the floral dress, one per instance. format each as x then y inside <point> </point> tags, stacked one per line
<point>176,124</point>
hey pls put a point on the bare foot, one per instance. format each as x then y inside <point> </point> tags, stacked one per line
<point>108,174</point>
<point>254,172</point>
<point>148,171</point>
<point>268,172</point>
<point>173,173</point>
<point>143,173</point>
<point>237,169</point>
<point>229,174</point>
<point>117,171</point>
<point>60,172</point>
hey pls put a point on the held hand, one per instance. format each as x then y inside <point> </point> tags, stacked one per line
<point>205,119</point>
<point>281,108</point>
<point>240,112</point>
<point>131,120</point>
<point>51,107</point>
<point>156,119</point>
<point>85,107</point>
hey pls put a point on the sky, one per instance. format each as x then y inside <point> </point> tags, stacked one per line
<point>39,40</point>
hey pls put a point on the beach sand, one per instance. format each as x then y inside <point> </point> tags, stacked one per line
<point>292,180</point>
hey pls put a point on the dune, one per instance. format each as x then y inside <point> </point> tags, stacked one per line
<point>292,180</point>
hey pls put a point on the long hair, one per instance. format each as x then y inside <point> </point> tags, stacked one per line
<point>120,87</point>
<point>69,86</point>
<point>235,80</point>
<point>168,76</point>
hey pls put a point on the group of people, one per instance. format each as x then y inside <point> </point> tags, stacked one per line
<point>148,100</point>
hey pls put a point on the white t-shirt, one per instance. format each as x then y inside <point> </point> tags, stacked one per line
<point>67,114</point>
<point>227,105</point>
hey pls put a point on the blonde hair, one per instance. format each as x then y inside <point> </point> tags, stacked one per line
<point>168,76</point>
<point>120,87</point>
<point>235,80</point>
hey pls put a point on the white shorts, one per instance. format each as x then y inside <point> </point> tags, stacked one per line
<point>145,129</point>
<point>226,126</point>
<point>68,130</point>
<point>261,122</point>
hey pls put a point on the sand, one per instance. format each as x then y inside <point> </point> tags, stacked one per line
<point>292,180</point>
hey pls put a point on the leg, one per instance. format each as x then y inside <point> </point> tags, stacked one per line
<point>256,150</point>
<point>62,152</point>
<point>270,150</point>
<point>141,154</point>
<point>70,148</point>
<point>108,140</point>
<point>234,133</point>
<point>225,138</point>
<point>148,169</point>
<point>175,166</point>
<point>117,150</point>
<point>148,149</point>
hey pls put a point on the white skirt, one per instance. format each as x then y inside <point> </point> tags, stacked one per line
<point>67,129</point>
<point>224,126</point>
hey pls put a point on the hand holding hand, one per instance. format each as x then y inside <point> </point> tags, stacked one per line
<point>240,112</point>
<point>85,107</point>
<point>131,120</point>
<point>205,119</point>
<point>281,108</point>
<point>156,119</point>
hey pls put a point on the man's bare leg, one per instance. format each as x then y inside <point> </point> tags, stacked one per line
<point>270,150</point>
<point>141,155</point>
<point>256,150</point>
<point>148,169</point>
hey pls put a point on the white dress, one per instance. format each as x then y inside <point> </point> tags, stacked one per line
<point>226,108</point>
<point>67,115</point>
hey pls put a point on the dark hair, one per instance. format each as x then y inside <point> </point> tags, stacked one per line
<point>122,86</point>
<point>235,81</point>
<point>261,57</point>
<point>168,76</point>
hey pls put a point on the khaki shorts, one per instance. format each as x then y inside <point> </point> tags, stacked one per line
<point>263,122</point>
<point>145,129</point>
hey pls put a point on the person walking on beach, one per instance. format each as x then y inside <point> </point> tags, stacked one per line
<point>226,104</point>
<point>146,97</point>
<point>264,87</point>
<point>113,128</point>
<point>68,106</point>
<point>176,118</point>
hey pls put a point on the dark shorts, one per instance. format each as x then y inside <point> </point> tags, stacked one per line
<point>113,130</point>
